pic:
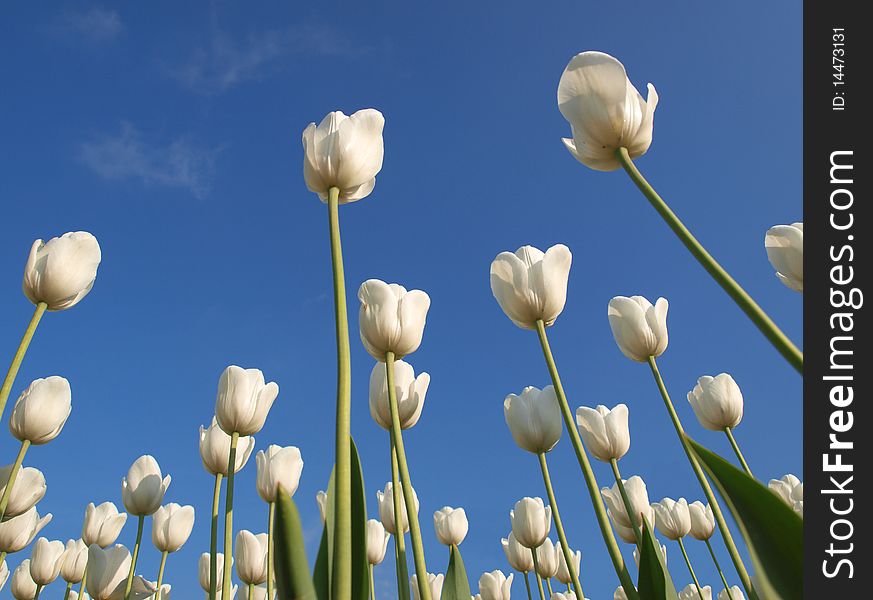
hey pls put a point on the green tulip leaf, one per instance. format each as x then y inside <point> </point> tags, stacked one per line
<point>324,558</point>
<point>654,581</point>
<point>456,586</point>
<point>360,566</point>
<point>292,569</point>
<point>772,530</point>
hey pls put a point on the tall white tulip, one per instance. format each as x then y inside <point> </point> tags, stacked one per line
<point>604,431</point>
<point>689,592</point>
<point>62,271</point>
<point>244,400</point>
<point>790,489</point>
<point>409,389</point>
<point>672,518</point>
<point>495,586</point>
<point>639,500</point>
<point>215,449</point>
<point>102,524</point>
<point>278,467</point>
<point>171,526</point>
<point>735,594</point>
<point>73,561</point>
<point>717,402</point>
<point>107,575</point>
<point>547,559</point>
<point>45,560</point>
<point>22,586</point>
<point>28,488</point>
<point>531,521</point>
<point>563,574</point>
<point>344,152</point>
<point>702,520</point>
<point>391,319</point>
<point>531,285</point>
<point>605,111</point>
<point>451,525</point>
<point>434,583</point>
<point>41,410</point>
<point>203,570</point>
<point>377,542</point>
<point>518,557</point>
<point>639,329</point>
<point>386,508</point>
<point>142,491</point>
<point>17,532</point>
<point>251,557</point>
<point>534,419</point>
<point>784,244</point>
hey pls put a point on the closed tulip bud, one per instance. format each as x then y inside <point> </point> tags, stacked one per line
<point>45,560</point>
<point>22,587</point>
<point>518,557</point>
<point>531,521</point>
<point>41,410</point>
<point>547,559</point>
<point>735,594</point>
<point>244,400</point>
<point>28,488</point>
<point>534,419</point>
<point>251,557</point>
<point>17,532</point>
<point>215,449</point>
<point>409,389</point>
<point>434,582</point>
<point>790,489</point>
<point>142,491</point>
<point>62,271</point>
<point>171,526</point>
<point>717,402</point>
<point>344,152</point>
<point>278,467</point>
<point>321,500</point>
<point>702,520</point>
<point>451,525</point>
<point>605,111</point>
<point>605,431</point>
<point>386,508</point>
<point>639,500</point>
<point>107,575</point>
<point>495,585</point>
<point>689,592</point>
<point>377,542</point>
<point>102,524</point>
<point>639,329</point>
<point>203,570</point>
<point>563,574</point>
<point>784,244</point>
<point>391,319</point>
<point>672,518</point>
<point>530,285</point>
<point>73,561</point>
<point>663,549</point>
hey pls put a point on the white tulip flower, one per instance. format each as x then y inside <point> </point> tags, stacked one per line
<point>142,491</point>
<point>62,271</point>
<point>531,285</point>
<point>28,488</point>
<point>639,500</point>
<point>451,525</point>
<point>73,561</point>
<point>45,560</point>
<point>790,489</point>
<point>103,524</point>
<point>391,319</point>
<point>344,152</point>
<point>251,557</point>
<point>534,419</point>
<point>321,500</point>
<point>563,574</point>
<point>107,575</point>
<point>215,449</point>
<point>434,583</point>
<point>203,570</point>
<point>244,400</point>
<point>496,586</point>
<point>518,557</point>
<point>41,410</point>
<point>702,520</point>
<point>735,594</point>
<point>278,467</point>
<point>377,542</point>
<point>639,329</point>
<point>784,244</point>
<point>22,586</point>
<point>689,592</point>
<point>604,431</point>
<point>717,402</point>
<point>171,526</point>
<point>565,595</point>
<point>17,533</point>
<point>409,390</point>
<point>531,521</point>
<point>663,549</point>
<point>605,111</point>
<point>672,518</point>
<point>386,508</point>
<point>163,593</point>
<point>547,559</point>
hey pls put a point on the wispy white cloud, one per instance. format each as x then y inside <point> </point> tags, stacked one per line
<point>179,163</point>
<point>96,25</point>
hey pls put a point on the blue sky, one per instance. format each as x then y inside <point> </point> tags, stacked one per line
<point>173,134</point>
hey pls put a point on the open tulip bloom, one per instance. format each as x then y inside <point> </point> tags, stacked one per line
<point>784,244</point>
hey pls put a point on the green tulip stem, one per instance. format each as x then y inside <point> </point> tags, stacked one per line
<point>38,312</point>
<point>250,591</point>
<point>527,585</point>
<point>690,568</point>
<point>228,518</point>
<point>730,436</point>
<point>718,567</point>
<point>372,584</point>
<point>213,538</point>
<point>406,486</point>
<point>270,516</point>
<point>2,557</point>
<point>590,480</point>
<point>757,315</point>
<point>399,542</point>
<point>631,514</point>
<point>549,585</point>
<point>38,591</point>
<point>84,578</point>
<point>13,474</point>
<point>536,563</point>
<point>559,527</point>
<point>129,585</point>
<point>704,483</point>
<point>158,595</point>
<point>67,590</point>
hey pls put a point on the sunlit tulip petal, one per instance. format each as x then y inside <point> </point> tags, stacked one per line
<point>171,526</point>
<point>28,488</point>
<point>518,557</point>
<point>531,521</point>
<point>203,570</point>
<point>321,500</point>
<point>215,448</point>
<point>107,575</point>
<point>45,560</point>
<point>410,391</point>
<point>495,585</point>
<point>547,559</point>
<point>717,402</point>
<point>434,583</point>
<point>790,489</point>
<point>784,244</point>
<point>639,329</point>
<point>17,532</point>
<point>142,491</point>
<point>735,594</point>
<point>451,525</point>
<point>563,574</point>
<point>689,592</point>
<point>377,542</point>
<point>385,500</point>
<point>391,318</point>
<point>639,500</point>
<point>73,561</point>
<point>62,271</point>
<point>534,419</point>
<point>278,467</point>
<point>41,410</point>
<point>604,431</point>
<point>702,520</point>
<point>530,285</point>
<point>244,400</point>
<point>102,524</point>
<point>672,518</point>
<point>22,586</point>
<point>251,557</point>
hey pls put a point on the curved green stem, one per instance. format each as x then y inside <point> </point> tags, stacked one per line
<point>736,447</point>
<point>84,578</point>
<point>406,486</point>
<point>559,527</point>
<point>372,585</point>
<point>549,586</point>
<point>527,585</point>
<point>158,594</point>
<point>270,515</point>
<point>9,380</point>
<point>213,538</point>
<point>536,562</point>
<point>704,483</point>
<point>757,315</point>
<point>228,519</point>
<point>67,590</point>
<point>590,480</point>
<point>13,474</point>
<point>135,557</point>
<point>251,591</point>
<point>690,568</point>
<point>631,514</point>
<point>718,568</point>
<point>399,541</point>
